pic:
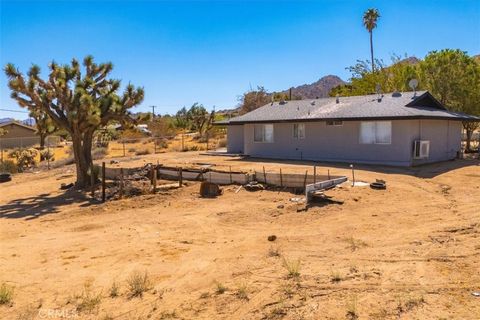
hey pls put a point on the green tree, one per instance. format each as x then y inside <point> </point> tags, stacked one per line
<point>44,125</point>
<point>79,100</point>
<point>454,78</point>
<point>370,18</point>
<point>254,99</point>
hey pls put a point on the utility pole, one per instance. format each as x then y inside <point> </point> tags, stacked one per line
<point>153,112</point>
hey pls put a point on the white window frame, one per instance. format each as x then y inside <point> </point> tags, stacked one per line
<point>263,127</point>
<point>376,124</point>
<point>297,131</point>
<point>334,123</point>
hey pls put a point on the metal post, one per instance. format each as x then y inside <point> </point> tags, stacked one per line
<point>48,155</point>
<point>154,146</point>
<point>231,180</point>
<point>264,175</point>
<point>121,182</point>
<point>123,142</point>
<point>305,180</point>
<point>183,141</point>
<point>103,181</point>
<point>328,172</point>
<point>353,175</point>
<point>314,174</point>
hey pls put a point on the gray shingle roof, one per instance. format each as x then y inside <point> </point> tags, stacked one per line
<point>407,105</point>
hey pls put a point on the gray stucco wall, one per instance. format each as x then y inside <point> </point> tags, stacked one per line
<point>341,143</point>
<point>235,139</point>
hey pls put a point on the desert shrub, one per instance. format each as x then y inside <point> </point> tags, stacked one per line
<point>99,153</point>
<point>138,283</point>
<point>142,152</point>
<point>352,312</point>
<point>161,143</point>
<point>6,294</point>
<point>47,155</point>
<point>8,166</point>
<point>222,143</point>
<point>131,136</point>
<point>25,158</point>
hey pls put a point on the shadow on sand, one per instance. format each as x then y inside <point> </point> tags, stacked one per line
<point>43,204</point>
<point>422,171</point>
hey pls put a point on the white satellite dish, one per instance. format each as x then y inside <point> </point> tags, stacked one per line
<point>413,84</point>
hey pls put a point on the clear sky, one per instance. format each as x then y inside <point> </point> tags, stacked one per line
<point>212,51</point>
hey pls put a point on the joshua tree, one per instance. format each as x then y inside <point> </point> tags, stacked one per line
<point>370,18</point>
<point>79,102</point>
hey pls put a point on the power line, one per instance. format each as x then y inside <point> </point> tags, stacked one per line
<point>10,110</point>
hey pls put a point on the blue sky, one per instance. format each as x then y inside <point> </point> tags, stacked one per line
<point>212,51</point>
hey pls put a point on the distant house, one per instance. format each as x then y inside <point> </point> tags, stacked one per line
<point>18,135</point>
<point>400,129</point>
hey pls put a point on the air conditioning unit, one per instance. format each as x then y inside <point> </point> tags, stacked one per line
<point>421,149</point>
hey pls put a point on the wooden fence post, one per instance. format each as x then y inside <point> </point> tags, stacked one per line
<point>328,174</point>
<point>314,173</point>
<point>121,182</point>
<point>123,142</point>
<point>180,177</point>
<point>92,180</point>
<point>103,181</point>
<point>154,174</point>
<point>264,175</point>
<point>281,178</point>
<point>353,175</point>
<point>305,180</point>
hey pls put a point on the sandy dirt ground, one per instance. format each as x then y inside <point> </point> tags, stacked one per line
<point>409,252</point>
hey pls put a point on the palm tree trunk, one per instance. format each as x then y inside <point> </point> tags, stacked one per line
<point>371,51</point>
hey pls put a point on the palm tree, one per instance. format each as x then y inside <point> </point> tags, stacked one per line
<point>370,18</point>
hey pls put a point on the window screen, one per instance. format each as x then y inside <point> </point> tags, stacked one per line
<point>376,132</point>
<point>268,133</point>
<point>263,133</point>
<point>258,133</point>
<point>299,131</point>
<point>383,132</point>
<point>367,132</point>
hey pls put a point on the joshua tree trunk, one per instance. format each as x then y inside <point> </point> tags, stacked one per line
<point>83,152</point>
<point>371,51</point>
<point>469,128</point>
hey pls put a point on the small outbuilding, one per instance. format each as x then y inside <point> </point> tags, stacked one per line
<point>18,135</point>
<point>399,129</point>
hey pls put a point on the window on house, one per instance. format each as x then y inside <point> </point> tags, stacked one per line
<point>299,131</point>
<point>376,132</point>
<point>263,133</point>
<point>334,123</point>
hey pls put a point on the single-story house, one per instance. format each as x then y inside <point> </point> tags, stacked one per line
<point>399,129</point>
<point>18,135</point>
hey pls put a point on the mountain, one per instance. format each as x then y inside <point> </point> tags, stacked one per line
<point>318,89</point>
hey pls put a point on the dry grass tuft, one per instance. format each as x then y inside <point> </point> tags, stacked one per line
<point>355,244</point>
<point>87,301</point>
<point>138,284</point>
<point>242,291</point>
<point>114,290</point>
<point>6,294</point>
<point>293,267</point>
<point>221,288</point>
<point>352,312</point>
